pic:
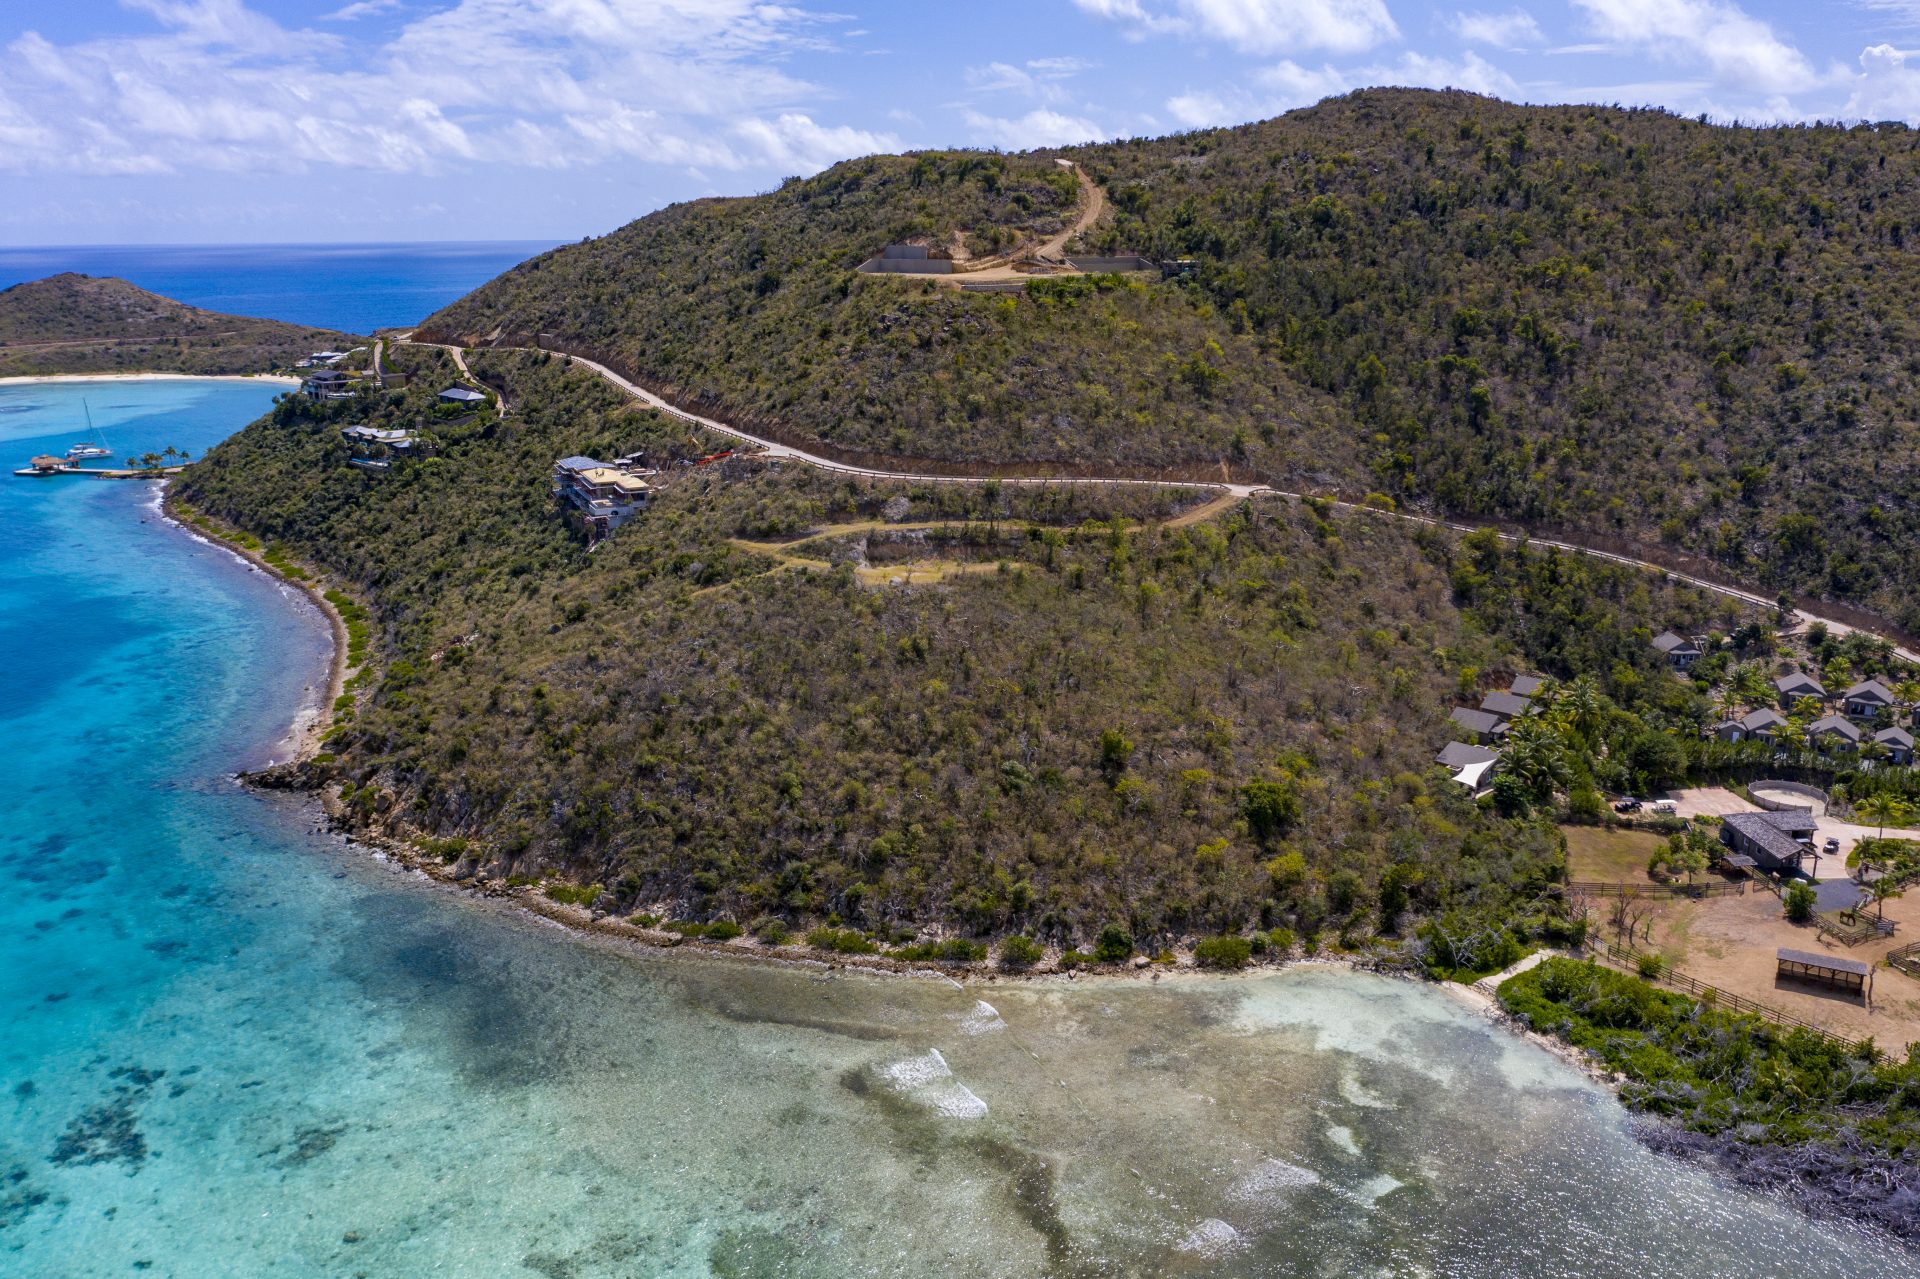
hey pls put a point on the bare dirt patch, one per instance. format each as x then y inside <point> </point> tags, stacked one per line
<point>1730,942</point>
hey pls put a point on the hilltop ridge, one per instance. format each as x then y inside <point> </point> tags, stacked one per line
<point>1612,322</point>
<point>71,323</point>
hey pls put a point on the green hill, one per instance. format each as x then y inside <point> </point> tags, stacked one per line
<point>1615,322</point>
<point>787,693</point>
<point>85,324</point>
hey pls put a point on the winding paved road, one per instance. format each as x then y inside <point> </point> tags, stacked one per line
<point>1227,490</point>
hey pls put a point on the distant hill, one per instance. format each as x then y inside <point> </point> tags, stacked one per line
<point>1613,322</point>
<point>85,324</point>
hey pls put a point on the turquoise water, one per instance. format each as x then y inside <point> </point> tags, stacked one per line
<point>356,288</point>
<point>233,1046</point>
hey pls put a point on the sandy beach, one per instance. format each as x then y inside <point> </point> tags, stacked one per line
<point>36,378</point>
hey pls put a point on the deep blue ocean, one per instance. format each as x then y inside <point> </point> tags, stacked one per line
<point>355,288</point>
<point>233,1045</point>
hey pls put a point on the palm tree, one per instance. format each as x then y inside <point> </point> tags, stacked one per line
<point>1536,757</point>
<point>1885,811</point>
<point>1881,889</point>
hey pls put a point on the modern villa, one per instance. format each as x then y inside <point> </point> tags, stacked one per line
<point>600,495</point>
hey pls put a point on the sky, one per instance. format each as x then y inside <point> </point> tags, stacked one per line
<point>326,121</point>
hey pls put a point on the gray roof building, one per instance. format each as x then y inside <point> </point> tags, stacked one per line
<point>1771,839</point>
<point>1462,754</point>
<point>1527,685</point>
<point>1761,723</point>
<point>461,395</point>
<point>1505,705</point>
<point>1479,723</point>
<point>1800,684</point>
<point>1835,726</point>
<point>1867,697</point>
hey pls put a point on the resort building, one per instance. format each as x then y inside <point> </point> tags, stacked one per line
<point>1527,685</point>
<point>1897,742</point>
<point>1505,705</point>
<point>1798,685</point>
<point>1469,764</point>
<point>1484,725</point>
<point>462,395</point>
<point>1835,732</point>
<point>1867,699</point>
<point>1681,653</point>
<point>601,496</point>
<point>1772,842</point>
<point>327,384</point>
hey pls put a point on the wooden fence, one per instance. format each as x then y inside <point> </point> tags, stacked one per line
<point>1629,958</point>
<point>1649,889</point>
<point>1906,959</point>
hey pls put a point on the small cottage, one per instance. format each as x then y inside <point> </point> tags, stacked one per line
<point>1867,699</point>
<point>1681,653</point>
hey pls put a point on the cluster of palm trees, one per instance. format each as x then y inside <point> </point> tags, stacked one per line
<point>1891,861</point>
<point>154,461</point>
<point>1567,720</point>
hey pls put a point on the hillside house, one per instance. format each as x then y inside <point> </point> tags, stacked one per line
<point>461,395</point>
<point>1898,743</point>
<point>1681,653</point>
<point>1835,732</point>
<point>601,497</point>
<point>1777,842</point>
<point>1867,699</point>
<point>1798,685</point>
<point>1527,685</point>
<point>327,384</point>
<point>1763,724</point>
<point>1483,725</point>
<point>1469,764</point>
<point>1505,705</point>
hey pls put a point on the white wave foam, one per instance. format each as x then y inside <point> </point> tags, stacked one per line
<point>1272,1177</point>
<point>983,1018</point>
<point>1356,1092</point>
<point>1211,1238</point>
<point>929,1081</point>
<point>1342,1136</point>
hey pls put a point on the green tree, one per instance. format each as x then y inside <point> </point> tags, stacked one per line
<point>1800,901</point>
<point>1270,807</point>
<point>1113,944</point>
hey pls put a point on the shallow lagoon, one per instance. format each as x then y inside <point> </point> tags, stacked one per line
<point>234,1046</point>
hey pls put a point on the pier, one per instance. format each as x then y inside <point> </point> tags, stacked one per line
<point>50,465</point>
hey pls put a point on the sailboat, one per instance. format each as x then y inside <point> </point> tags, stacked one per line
<point>84,452</point>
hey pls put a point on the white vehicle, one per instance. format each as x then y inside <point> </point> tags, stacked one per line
<point>1664,806</point>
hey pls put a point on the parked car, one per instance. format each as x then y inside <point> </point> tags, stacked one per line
<point>1664,806</point>
<point>1831,847</point>
<point>1627,806</point>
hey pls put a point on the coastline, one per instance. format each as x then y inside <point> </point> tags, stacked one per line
<point>33,379</point>
<point>310,722</point>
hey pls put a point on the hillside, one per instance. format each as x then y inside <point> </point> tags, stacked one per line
<point>85,324</point>
<point>1615,322</point>
<point>1080,713</point>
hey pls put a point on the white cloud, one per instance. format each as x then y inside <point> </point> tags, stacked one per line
<point>1042,79</point>
<point>1514,29</point>
<point>1037,128</point>
<point>1738,49</point>
<point>1257,26</point>
<point>360,9</point>
<point>219,86</point>
<point>1887,88</point>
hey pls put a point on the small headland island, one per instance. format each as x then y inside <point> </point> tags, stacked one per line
<point>71,324</point>
<point>1416,533</point>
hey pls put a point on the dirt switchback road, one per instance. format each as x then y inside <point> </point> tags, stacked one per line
<point>1229,492</point>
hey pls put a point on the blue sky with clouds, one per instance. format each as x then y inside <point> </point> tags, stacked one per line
<point>190,121</point>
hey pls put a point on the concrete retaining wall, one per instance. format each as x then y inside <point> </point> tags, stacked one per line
<point>1796,789</point>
